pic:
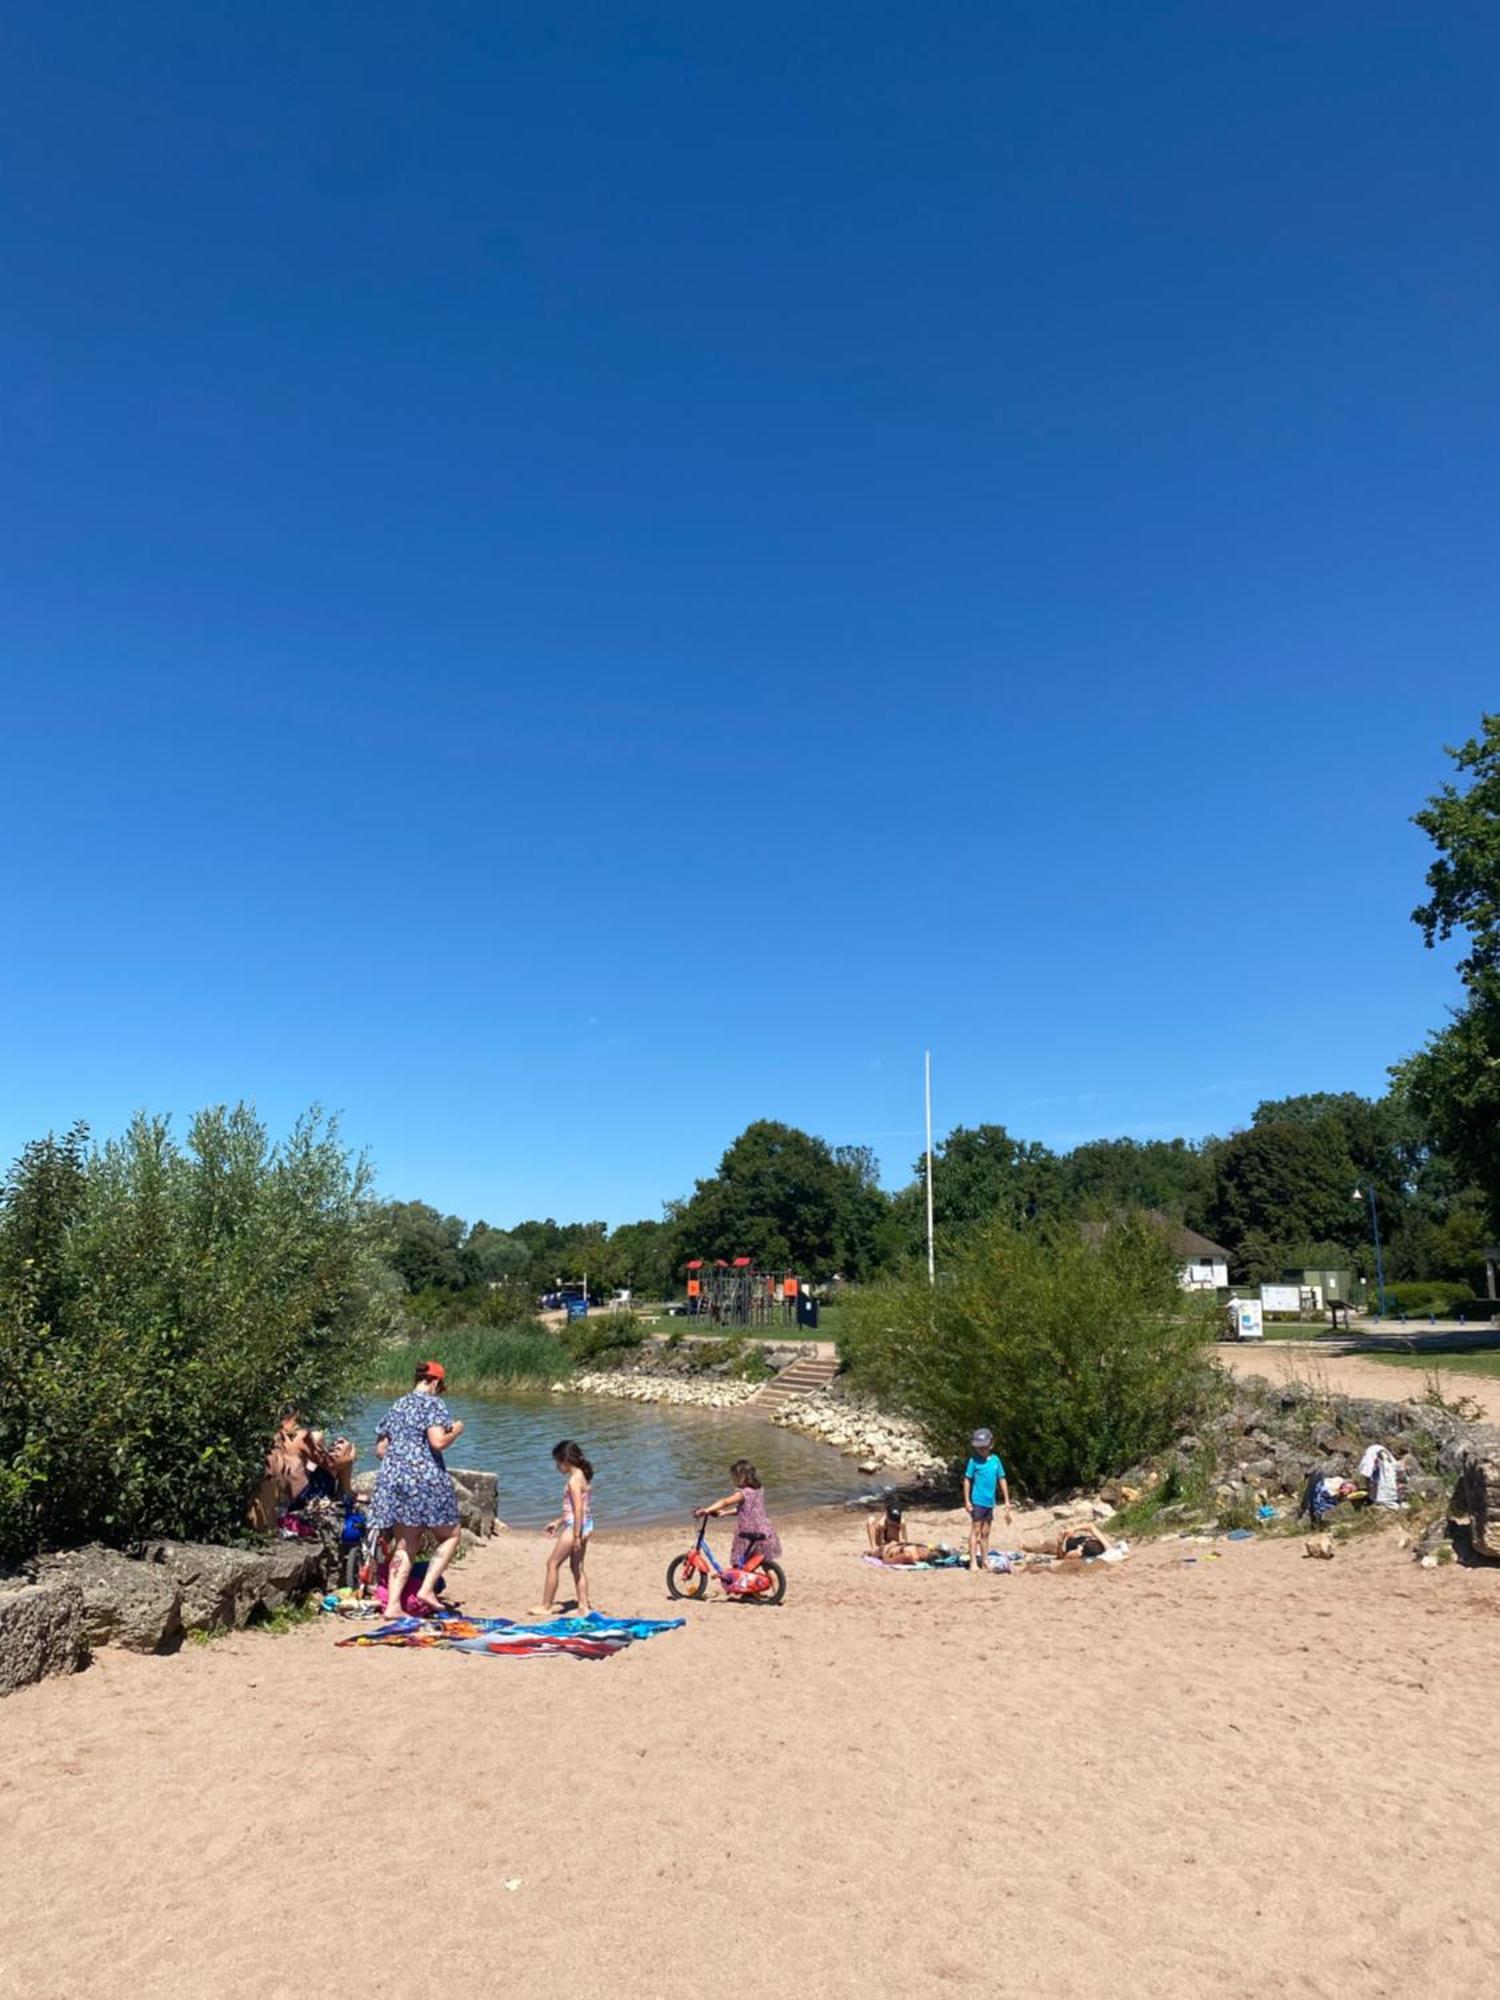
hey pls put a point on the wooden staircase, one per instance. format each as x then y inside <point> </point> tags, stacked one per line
<point>798,1378</point>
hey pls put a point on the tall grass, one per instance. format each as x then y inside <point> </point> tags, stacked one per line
<point>480,1360</point>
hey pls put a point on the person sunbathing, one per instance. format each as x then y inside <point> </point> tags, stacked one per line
<point>887,1535</point>
<point>1084,1543</point>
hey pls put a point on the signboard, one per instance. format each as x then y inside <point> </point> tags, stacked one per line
<point>1281,1298</point>
<point>1244,1317</point>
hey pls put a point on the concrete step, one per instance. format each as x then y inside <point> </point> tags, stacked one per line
<point>799,1378</point>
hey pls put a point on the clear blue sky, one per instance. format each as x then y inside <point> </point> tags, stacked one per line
<point>575,576</point>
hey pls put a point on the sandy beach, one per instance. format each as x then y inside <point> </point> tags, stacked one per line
<point>1252,1776</point>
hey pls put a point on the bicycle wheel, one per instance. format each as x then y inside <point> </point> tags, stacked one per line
<point>778,1585</point>
<point>684,1579</point>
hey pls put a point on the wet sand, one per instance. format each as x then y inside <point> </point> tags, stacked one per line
<point>1255,1776</point>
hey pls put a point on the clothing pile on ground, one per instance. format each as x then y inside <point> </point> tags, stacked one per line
<point>594,1637</point>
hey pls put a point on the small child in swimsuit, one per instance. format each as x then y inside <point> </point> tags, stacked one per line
<point>572,1528</point>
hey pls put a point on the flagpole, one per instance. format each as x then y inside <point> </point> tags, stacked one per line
<point>931,1260</point>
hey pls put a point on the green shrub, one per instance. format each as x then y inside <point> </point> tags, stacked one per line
<point>157,1303</point>
<point>604,1338</point>
<point>733,1355</point>
<point>479,1360</point>
<point>1081,1355</point>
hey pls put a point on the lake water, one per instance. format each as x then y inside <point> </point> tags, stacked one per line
<point>652,1462</point>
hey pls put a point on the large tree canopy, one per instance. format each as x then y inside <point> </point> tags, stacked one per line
<point>1454,1082</point>
<point>784,1198</point>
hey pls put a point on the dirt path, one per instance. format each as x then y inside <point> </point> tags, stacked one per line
<point>1358,1375</point>
<point>1089,1784</point>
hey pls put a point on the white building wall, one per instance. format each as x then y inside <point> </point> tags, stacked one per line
<point>1203,1274</point>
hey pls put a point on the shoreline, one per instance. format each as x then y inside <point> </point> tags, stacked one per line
<point>856,1429</point>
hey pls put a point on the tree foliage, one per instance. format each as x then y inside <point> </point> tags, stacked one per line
<point>157,1303</point>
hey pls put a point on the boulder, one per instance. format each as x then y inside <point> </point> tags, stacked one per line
<point>125,1603</point>
<point>41,1632</point>
<point>1476,1499</point>
<point>293,1570</point>
<point>220,1587</point>
<point>478,1500</point>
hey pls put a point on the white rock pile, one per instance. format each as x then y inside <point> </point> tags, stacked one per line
<point>633,1388</point>
<point>860,1431</point>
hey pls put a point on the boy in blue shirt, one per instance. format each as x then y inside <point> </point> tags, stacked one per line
<point>984,1477</point>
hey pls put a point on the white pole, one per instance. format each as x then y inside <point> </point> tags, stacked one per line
<point>931,1261</point>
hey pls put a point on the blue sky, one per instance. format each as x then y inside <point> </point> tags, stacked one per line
<point>575,577</point>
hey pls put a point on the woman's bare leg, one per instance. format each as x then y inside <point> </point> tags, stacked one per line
<point>437,1562</point>
<point>398,1570</point>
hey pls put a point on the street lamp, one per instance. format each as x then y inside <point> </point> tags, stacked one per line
<point>1359,1195</point>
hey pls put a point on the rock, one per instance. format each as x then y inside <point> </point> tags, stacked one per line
<point>1101,1511</point>
<point>478,1500</point>
<point>1476,1498</point>
<point>220,1587</point>
<point>41,1632</point>
<point>1319,1545</point>
<point>125,1603</point>
<point>293,1571</point>
<point>869,1465</point>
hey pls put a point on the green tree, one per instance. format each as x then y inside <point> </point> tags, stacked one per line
<point>1454,1082</point>
<point>782,1197</point>
<point>1284,1184</point>
<point>1106,1176</point>
<point>980,1174</point>
<point>424,1246</point>
<point>189,1289</point>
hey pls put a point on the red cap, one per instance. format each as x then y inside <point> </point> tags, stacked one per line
<point>434,1371</point>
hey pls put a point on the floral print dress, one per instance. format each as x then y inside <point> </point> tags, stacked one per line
<point>413,1488</point>
<point>753,1533</point>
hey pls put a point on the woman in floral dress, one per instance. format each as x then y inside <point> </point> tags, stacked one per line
<point>414,1494</point>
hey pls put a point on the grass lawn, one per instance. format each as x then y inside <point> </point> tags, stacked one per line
<point>1452,1361</point>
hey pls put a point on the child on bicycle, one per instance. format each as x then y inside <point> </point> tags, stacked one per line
<point>753,1533</point>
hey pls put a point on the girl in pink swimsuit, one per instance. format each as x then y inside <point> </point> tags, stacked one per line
<point>571,1529</point>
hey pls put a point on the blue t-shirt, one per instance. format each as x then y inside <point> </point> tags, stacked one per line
<point>984,1476</point>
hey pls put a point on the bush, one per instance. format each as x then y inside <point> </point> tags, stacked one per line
<point>1082,1356</point>
<point>610,1338</point>
<point>480,1360</point>
<point>157,1303</point>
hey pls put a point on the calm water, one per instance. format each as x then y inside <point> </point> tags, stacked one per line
<point>651,1463</point>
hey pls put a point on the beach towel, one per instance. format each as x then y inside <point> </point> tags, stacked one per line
<point>592,1638</point>
<point>949,1559</point>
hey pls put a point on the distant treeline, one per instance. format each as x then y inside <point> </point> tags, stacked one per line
<point>1279,1195</point>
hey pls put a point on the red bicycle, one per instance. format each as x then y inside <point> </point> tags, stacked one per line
<point>759,1581</point>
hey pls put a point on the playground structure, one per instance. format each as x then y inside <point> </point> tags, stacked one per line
<point>733,1293</point>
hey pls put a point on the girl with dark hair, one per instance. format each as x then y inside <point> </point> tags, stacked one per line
<point>571,1530</point>
<point>753,1533</point>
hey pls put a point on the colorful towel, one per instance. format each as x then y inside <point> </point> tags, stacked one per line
<point>593,1638</point>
